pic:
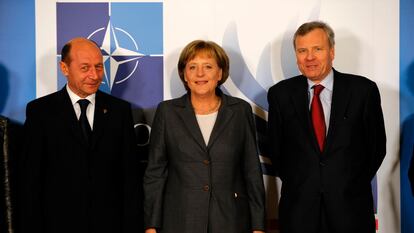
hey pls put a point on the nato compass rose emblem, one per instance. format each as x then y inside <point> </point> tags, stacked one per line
<point>116,55</point>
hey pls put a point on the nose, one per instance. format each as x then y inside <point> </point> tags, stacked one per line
<point>200,71</point>
<point>94,73</point>
<point>310,56</point>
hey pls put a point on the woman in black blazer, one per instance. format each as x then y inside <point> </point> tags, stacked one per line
<point>203,172</point>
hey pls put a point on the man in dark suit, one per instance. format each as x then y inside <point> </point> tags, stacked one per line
<point>79,175</point>
<point>328,140</point>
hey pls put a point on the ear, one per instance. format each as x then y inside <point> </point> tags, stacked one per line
<point>64,68</point>
<point>220,74</point>
<point>332,53</point>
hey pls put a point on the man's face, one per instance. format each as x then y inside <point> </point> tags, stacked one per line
<point>314,55</point>
<point>85,70</point>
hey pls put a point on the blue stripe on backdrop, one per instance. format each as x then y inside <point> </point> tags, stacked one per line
<point>406,111</point>
<point>17,57</point>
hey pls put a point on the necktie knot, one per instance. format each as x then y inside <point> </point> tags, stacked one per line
<point>83,103</point>
<point>317,89</point>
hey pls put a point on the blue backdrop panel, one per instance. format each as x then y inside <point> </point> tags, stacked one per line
<point>17,57</point>
<point>131,39</point>
<point>406,110</point>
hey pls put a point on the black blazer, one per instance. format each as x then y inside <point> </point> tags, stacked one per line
<point>338,180</point>
<point>69,187</point>
<point>411,172</point>
<point>190,186</point>
<point>10,147</point>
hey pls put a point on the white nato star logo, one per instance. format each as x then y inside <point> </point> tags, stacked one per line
<point>116,54</point>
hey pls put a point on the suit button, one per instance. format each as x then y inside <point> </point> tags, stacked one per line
<point>206,187</point>
<point>206,162</point>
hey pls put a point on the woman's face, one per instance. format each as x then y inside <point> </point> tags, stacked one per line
<point>202,75</point>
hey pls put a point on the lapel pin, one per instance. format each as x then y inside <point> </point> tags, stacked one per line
<point>105,110</point>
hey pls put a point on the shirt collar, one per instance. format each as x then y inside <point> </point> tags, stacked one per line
<point>327,82</point>
<point>74,98</point>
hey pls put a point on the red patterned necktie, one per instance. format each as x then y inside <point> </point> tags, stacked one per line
<point>318,118</point>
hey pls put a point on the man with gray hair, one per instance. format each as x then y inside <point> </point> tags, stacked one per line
<point>327,140</point>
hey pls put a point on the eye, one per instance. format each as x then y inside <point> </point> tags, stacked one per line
<point>84,68</point>
<point>301,50</point>
<point>99,67</point>
<point>191,67</point>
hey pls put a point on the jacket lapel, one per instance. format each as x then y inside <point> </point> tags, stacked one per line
<point>223,118</point>
<point>100,117</point>
<point>68,115</point>
<point>300,99</point>
<point>187,115</point>
<point>340,101</point>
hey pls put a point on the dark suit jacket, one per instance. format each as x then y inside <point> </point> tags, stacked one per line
<point>10,145</point>
<point>189,186</point>
<point>337,181</point>
<point>411,172</point>
<point>70,187</point>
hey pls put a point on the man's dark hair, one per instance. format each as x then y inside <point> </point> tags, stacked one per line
<point>65,53</point>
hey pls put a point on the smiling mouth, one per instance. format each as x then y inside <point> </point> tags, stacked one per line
<point>201,82</point>
<point>312,67</point>
<point>93,84</point>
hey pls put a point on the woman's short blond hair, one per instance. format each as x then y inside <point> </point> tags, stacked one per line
<point>208,47</point>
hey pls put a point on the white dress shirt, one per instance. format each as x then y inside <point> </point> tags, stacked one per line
<point>325,96</point>
<point>91,107</point>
